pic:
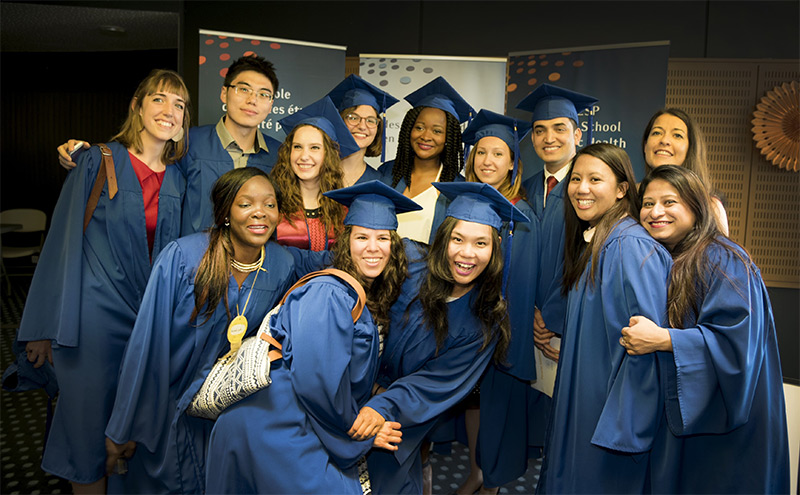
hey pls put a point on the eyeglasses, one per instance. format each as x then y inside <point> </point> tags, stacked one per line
<point>246,92</point>
<point>355,119</point>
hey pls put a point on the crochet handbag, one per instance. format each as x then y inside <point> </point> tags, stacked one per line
<point>239,374</point>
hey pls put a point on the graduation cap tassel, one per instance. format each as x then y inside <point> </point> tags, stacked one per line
<point>507,252</point>
<point>383,139</point>
<point>589,134</point>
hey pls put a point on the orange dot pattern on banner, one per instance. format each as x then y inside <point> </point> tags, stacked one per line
<point>228,49</point>
<point>546,66</point>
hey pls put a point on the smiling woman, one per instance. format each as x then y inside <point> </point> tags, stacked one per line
<point>308,166</point>
<point>93,270</point>
<point>201,285</point>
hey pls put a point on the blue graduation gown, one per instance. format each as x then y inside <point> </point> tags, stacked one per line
<point>724,424</point>
<point>368,175</point>
<point>291,437</point>
<point>606,404</point>
<point>440,211</point>
<point>421,383</point>
<point>512,416</point>
<point>548,293</point>
<point>167,359</point>
<point>205,161</point>
<point>84,296</point>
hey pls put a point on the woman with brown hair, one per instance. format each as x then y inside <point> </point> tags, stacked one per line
<point>95,265</point>
<point>723,427</point>
<point>308,166</point>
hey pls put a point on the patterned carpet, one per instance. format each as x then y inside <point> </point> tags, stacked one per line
<point>23,416</point>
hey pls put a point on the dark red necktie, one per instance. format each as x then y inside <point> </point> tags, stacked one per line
<point>551,183</point>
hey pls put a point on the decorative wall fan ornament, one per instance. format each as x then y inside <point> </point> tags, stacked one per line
<point>776,125</point>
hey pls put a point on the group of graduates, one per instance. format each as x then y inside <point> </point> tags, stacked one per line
<point>610,327</point>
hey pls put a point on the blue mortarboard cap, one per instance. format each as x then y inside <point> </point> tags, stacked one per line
<point>323,115</point>
<point>439,94</point>
<point>551,102</point>
<point>354,91</point>
<point>479,203</point>
<point>488,123</point>
<point>372,205</point>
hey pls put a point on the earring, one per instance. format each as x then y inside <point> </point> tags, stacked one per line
<point>227,222</point>
<point>177,137</point>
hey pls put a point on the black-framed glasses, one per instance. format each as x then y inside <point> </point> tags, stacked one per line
<point>246,92</point>
<point>355,119</point>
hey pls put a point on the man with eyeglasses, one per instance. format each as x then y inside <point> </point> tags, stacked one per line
<point>233,142</point>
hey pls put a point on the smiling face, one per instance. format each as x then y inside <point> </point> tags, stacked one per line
<point>247,111</point>
<point>253,216</point>
<point>370,250</point>
<point>593,188</point>
<point>554,141</point>
<point>469,251</point>
<point>667,142</point>
<point>356,121</point>
<point>429,133</point>
<point>665,215</point>
<point>492,161</point>
<point>308,153</point>
<point>162,115</point>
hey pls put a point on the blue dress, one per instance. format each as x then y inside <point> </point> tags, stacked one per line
<point>724,424</point>
<point>84,296</point>
<point>167,359</point>
<point>421,383</point>
<point>291,437</point>
<point>606,404</point>
<point>205,161</point>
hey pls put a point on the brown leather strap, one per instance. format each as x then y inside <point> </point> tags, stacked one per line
<point>362,296</point>
<point>105,173</point>
<point>355,313</point>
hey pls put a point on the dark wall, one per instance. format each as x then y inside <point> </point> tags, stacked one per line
<point>46,99</point>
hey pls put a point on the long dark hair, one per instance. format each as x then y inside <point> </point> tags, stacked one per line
<point>490,308</point>
<point>385,289</point>
<point>691,267</point>
<point>452,157</point>
<point>213,273</point>
<point>576,258</point>
<point>696,158</point>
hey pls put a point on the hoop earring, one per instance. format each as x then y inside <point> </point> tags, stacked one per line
<point>227,222</point>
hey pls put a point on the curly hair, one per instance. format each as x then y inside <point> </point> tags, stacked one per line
<point>331,177</point>
<point>376,146</point>
<point>130,132</point>
<point>509,191</point>
<point>452,157</point>
<point>576,254</point>
<point>490,308</point>
<point>385,289</point>
<point>211,280</point>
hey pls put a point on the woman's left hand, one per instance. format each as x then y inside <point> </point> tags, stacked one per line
<point>366,425</point>
<point>642,336</point>
<point>388,436</point>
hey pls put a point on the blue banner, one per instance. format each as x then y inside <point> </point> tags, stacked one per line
<point>629,82</point>
<point>306,72</point>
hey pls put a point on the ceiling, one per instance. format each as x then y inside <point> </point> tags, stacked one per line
<point>28,27</point>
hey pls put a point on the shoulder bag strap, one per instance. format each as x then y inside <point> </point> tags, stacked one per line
<point>106,172</point>
<point>355,313</point>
